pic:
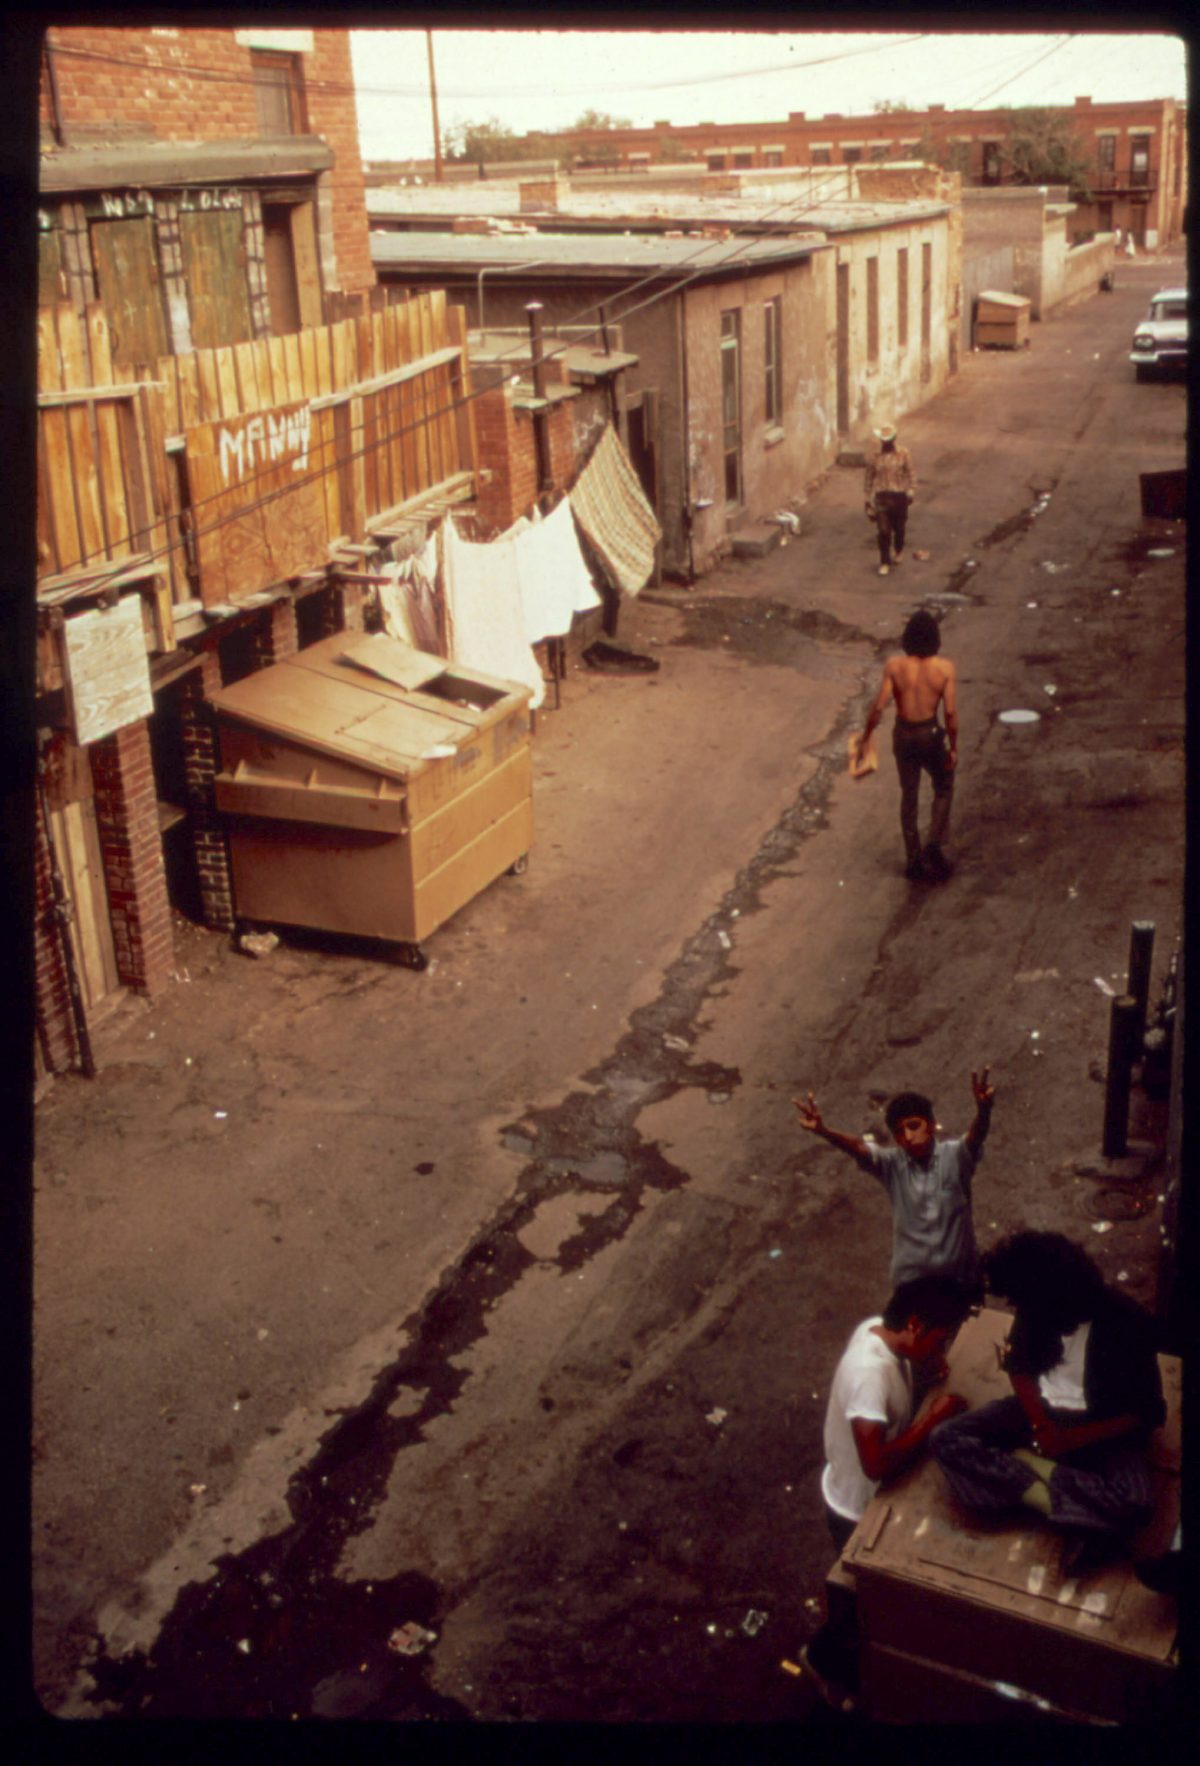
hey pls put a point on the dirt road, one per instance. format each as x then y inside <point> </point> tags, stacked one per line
<point>503,1298</point>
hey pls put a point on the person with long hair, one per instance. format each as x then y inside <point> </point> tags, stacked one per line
<point>1070,1444</point>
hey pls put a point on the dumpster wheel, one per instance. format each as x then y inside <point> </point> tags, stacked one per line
<point>519,866</point>
<point>413,957</point>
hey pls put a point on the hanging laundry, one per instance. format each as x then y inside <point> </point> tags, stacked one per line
<point>394,607</point>
<point>610,506</point>
<point>485,621</point>
<point>555,582</point>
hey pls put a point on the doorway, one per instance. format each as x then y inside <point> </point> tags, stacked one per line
<point>843,349</point>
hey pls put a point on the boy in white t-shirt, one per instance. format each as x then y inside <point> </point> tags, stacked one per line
<point>870,1434</point>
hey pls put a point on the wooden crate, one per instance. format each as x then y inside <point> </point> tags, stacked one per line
<point>984,1608</point>
<point>371,789</point>
<point>1001,321</point>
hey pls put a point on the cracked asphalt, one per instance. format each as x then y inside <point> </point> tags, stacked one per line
<point>501,1300</point>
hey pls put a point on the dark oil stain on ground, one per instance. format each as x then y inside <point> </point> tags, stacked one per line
<point>275,1632</point>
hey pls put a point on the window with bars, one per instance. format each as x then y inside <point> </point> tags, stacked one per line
<point>1106,153</point>
<point>278,93</point>
<point>1139,159</point>
<point>772,364</point>
<point>851,155</point>
<point>820,156</point>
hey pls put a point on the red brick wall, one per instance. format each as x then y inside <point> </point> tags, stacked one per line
<point>506,447</point>
<point>131,849</point>
<point>172,84</point>
<point>52,998</point>
<point>200,763</point>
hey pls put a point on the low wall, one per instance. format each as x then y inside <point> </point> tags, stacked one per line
<point>1085,266</point>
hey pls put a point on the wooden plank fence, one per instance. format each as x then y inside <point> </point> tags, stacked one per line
<point>171,463</point>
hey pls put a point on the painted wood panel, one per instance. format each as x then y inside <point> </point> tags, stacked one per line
<point>130,289</point>
<point>214,264</point>
<point>107,672</point>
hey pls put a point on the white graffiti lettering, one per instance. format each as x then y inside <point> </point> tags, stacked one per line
<point>269,436</point>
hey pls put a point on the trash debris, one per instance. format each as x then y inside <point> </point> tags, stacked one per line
<point>410,1639</point>
<point>1020,717</point>
<point>754,1621</point>
<point>258,944</point>
<point>263,1335</point>
<point>1102,1226</point>
<point>244,1645</point>
<point>971,564</point>
<point>676,1042</point>
<point>920,556</point>
<point>1161,552</point>
<point>1051,690</point>
<point>1122,1275</point>
<point>1102,984</point>
<point>790,1667</point>
<point>1072,892</point>
<point>716,1417</point>
<point>220,1115</point>
<point>1031,603</point>
<point>719,1097</point>
<point>1035,1034</point>
<point>1114,591</point>
<point>197,1489</point>
<point>724,940</point>
<point>775,1252</point>
<point>1054,569</point>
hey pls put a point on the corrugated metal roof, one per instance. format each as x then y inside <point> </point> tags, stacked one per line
<point>546,255</point>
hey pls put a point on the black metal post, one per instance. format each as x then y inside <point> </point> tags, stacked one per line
<point>545,481</point>
<point>1141,950</point>
<point>1122,1044</point>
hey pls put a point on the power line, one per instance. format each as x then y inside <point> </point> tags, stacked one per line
<point>353,88</point>
<point>739,252</point>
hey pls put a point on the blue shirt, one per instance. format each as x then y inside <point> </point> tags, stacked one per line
<point>932,1230</point>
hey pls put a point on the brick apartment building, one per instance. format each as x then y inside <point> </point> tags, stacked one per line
<point>202,232</point>
<point>205,185</point>
<point>1137,152</point>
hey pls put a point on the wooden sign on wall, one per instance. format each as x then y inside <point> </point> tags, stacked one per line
<point>257,501</point>
<point>108,676</point>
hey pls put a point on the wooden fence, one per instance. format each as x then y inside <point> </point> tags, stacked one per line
<point>262,455</point>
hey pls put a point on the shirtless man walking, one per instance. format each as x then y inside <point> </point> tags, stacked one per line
<point>919,681</point>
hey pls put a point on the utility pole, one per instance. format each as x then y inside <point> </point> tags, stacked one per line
<point>437,134</point>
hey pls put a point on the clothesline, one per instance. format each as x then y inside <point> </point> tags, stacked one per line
<point>486,604</point>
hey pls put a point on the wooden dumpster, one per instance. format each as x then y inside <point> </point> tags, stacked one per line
<point>371,789</point>
<point>963,1622</point>
<point>1001,320</point>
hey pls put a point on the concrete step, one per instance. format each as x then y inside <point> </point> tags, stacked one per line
<point>756,540</point>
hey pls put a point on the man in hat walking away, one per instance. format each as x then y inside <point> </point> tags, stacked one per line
<point>890,483</point>
<point>918,682</point>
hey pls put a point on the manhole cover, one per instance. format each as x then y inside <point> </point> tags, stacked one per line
<point>1020,717</point>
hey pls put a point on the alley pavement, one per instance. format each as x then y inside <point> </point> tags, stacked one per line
<point>365,1297</point>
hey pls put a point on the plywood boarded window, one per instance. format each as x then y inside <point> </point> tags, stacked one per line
<point>52,286</point>
<point>127,274</point>
<point>278,93</point>
<point>214,268</point>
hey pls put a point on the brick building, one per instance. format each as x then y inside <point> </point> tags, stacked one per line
<point>205,185</point>
<point>752,358</point>
<point>1137,152</point>
<point>205,265</point>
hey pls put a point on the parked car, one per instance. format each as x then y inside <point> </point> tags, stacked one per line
<point>1161,339</point>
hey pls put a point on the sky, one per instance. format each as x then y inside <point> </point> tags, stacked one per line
<point>546,79</point>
